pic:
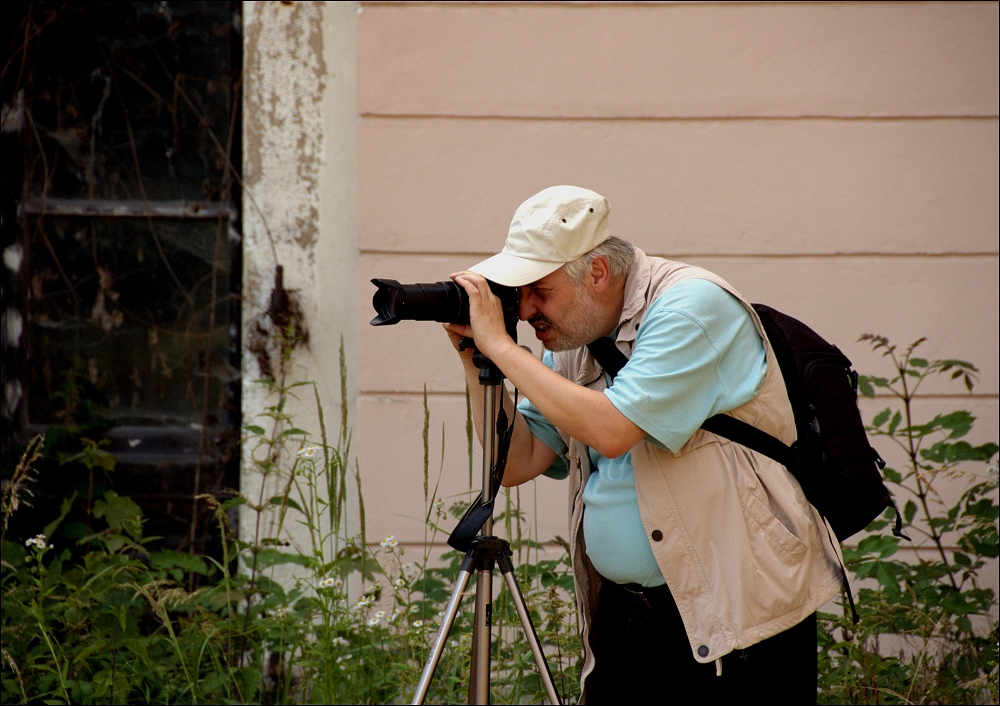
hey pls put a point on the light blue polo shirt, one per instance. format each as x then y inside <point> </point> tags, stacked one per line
<point>696,354</point>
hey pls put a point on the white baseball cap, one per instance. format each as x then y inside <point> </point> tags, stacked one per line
<point>553,227</point>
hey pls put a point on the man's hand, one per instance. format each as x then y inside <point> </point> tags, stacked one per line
<point>487,325</point>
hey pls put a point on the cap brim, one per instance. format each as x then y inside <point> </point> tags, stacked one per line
<point>513,271</point>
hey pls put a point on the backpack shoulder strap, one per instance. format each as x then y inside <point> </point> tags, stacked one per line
<point>750,436</point>
<point>607,354</point>
<point>613,360</point>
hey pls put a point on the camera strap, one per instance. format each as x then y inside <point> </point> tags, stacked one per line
<point>479,511</point>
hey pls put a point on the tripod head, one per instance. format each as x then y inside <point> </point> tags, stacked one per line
<point>489,373</point>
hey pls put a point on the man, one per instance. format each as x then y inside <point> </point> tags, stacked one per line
<point>699,564</point>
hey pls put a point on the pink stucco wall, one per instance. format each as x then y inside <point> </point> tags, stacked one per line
<point>838,161</point>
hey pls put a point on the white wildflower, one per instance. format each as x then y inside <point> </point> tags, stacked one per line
<point>328,582</point>
<point>308,452</point>
<point>372,622</point>
<point>399,582</point>
<point>393,615</point>
<point>338,583</point>
<point>362,604</point>
<point>340,641</point>
<point>418,623</point>
<point>414,608</point>
<point>38,542</point>
<point>279,613</point>
<point>389,542</point>
<point>379,614</point>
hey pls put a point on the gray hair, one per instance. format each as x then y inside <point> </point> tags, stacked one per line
<point>619,254</point>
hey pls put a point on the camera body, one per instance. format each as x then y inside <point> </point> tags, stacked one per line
<point>446,302</point>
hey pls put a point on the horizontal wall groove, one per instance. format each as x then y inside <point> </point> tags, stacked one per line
<point>675,119</point>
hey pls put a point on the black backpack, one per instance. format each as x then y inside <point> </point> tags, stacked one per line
<point>832,459</point>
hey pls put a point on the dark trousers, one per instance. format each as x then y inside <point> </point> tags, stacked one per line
<point>643,656</point>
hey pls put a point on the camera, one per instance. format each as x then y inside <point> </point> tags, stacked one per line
<point>446,302</point>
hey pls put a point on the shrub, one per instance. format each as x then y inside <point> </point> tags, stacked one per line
<point>928,630</point>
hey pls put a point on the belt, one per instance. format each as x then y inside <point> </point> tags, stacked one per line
<point>651,598</point>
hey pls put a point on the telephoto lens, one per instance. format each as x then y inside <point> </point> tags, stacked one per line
<point>446,302</point>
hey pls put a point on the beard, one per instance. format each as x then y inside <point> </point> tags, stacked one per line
<point>582,323</point>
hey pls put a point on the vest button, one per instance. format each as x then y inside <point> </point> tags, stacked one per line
<point>703,651</point>
<point>657,535</point>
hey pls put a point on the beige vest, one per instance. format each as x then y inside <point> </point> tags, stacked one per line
<point>743,552</point>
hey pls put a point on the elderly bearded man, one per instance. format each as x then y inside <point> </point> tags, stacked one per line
<point>699,564</point>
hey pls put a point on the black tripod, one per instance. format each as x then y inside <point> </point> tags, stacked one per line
<point>484,553</point>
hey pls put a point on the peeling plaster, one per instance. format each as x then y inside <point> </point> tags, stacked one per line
<point>285,77</point>
<point>299,175</point>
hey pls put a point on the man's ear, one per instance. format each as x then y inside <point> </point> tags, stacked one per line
<point>600,273</point>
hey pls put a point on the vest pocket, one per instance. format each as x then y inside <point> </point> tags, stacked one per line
<point>759,515</point>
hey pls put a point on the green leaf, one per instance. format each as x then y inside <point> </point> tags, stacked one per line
<point>254,429</point>
<point>889,547</point>
<point>170,559</point>
<point>943,452</point>
<point>67,505</point>
<point>233,502</point>
<point>281,500</point>
<point>273,557</point>
<point>892,475</point>
<point>295,432</point>
<point>865,386</point>
<point>896,419</point>
<point>121,513</point>
<point>882,417</point>
<point>918,362</point>
<point>985,508</point>
<point>886,578</point>
<point>959,422</point>
<point>962,560</point>
<point>910,511</point>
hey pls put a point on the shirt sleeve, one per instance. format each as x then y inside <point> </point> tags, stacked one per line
<point>543,429</point>
<point>697,353</point>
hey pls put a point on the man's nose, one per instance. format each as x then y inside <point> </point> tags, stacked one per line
<point>526,307</point>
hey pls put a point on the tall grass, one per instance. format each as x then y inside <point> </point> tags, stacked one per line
<point>302,609</point>
<point>322,615</point>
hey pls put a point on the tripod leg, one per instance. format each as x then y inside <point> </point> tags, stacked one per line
<point>507,569</point>
<point>479,679</point>
<point>446,622</point>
